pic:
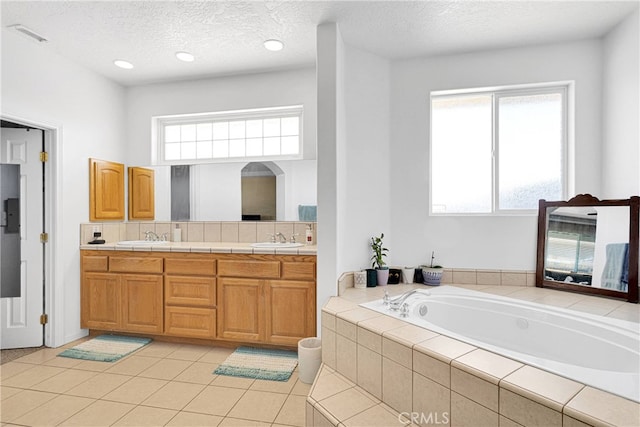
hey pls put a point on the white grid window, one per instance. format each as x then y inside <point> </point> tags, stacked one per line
<point>230,136</point>
<point>496,151</point>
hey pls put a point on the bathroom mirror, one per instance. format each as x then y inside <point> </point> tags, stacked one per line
<point>590,246</point>
<point>214,192</point>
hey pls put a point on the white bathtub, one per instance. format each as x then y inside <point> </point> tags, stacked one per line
<point>594,350</point>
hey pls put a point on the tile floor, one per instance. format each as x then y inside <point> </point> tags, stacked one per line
<point>160,384</point>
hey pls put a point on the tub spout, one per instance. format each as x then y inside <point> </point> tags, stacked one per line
<point>396,303</point>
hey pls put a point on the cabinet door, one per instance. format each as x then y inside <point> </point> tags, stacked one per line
<point>142,303</point>
<point>141,193</point>
<point>290,311</point>
<point>240,309</point>
<point>101,299</point>
<point>106,190</point>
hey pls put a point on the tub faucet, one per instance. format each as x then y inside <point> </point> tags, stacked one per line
<point>396,303</point>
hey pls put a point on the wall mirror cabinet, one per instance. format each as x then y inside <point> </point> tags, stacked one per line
<point>590,246</point>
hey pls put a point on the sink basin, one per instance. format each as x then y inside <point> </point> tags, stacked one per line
<point>141,243</point>
<point>276,245</point>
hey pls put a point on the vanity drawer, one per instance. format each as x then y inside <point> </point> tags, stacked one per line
<point>95,263</point>
<point>299,270</point>
<point>191,291</point>
<point>190,322</point>
<point>194,266</point>
<point>249,268</point>
<point>122,264</point>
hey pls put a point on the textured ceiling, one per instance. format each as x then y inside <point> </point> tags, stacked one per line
<point>226,36</point>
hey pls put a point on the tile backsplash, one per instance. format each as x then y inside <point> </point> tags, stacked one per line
<point>201,231</point>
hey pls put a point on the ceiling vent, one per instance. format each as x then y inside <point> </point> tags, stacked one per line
<point>30,33</point>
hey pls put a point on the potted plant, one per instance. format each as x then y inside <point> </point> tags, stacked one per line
<point>432,274</point>
<point>379,252</point>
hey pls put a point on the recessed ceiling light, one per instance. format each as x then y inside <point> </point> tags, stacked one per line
<point>123,64</point>
<point>273,45</point>
<point>185,56</point>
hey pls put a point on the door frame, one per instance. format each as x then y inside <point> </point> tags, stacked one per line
<point>53,280</point>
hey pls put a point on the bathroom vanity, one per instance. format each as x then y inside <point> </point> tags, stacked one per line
<point>259,298</point>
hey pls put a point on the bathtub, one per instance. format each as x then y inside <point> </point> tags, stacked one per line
<point>593,350</point>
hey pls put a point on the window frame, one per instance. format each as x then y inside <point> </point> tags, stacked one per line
<point>158,124</point>
<point>565,88</point>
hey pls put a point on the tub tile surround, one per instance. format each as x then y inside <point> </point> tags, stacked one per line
<point>204,237</point>
<point>409,371</point>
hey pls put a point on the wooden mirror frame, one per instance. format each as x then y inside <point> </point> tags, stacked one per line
<point>587,200</point>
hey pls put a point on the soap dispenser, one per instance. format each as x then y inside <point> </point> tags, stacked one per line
<point>177,234</point>
<point>309,235</point>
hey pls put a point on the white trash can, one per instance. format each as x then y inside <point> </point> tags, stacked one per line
<point>309,358</point>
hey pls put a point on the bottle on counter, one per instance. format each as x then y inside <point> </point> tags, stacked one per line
<point>309,235</point>
<point>177,234</point>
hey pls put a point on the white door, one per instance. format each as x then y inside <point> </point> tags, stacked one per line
<point>20,317</point>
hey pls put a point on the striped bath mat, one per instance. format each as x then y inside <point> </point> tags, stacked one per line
<point>258,363</point>
<point>105,348</point>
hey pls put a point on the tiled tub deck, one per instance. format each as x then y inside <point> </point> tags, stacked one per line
<point>378,370</point>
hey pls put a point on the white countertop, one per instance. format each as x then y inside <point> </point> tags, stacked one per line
<point>204,247</point>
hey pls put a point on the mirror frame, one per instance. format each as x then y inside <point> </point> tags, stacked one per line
<point>585,200</point>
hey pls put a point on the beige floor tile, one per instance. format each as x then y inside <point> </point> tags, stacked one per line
<point>216,355</point>
<point>258,406</point>
<point>6,392</point>
<point>132,365</point>
<point>234,382</point>
<point>275,386</point>
<point>32,376</point>
<point>166,369</point>
<point>63,362</point>
<point>21,403</point>
<point>99,385</point>
<point>198,373</point>
<point>40,356</point>
<point>189,352</point>
<point>158,349</point>
<point>91,365</point>
<point>135,390</point>
<point>293,411</point>
<point>64,381</point>
<point>11,369</point>
<point>175,395</point>
<point>54,411</point>
<point>301,389</point>
<point>99,413</point>
<point>190,419</point>
<point>215,400</point>
<point>238,422</point>
<point>146,416</point>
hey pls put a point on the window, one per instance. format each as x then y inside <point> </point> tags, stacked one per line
<point>498,151</point>
<point>274,133</point>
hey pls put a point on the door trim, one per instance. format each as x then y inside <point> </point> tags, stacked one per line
<point>53,280</point>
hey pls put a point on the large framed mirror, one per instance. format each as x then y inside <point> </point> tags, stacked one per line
<point>590,246</point>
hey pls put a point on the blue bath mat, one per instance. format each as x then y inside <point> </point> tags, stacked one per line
<point>259,363</point>
<point>105,348</point>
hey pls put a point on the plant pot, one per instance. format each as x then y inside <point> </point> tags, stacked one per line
<point>408,273</point>
<point>432,275</point>
<point>372,278</point>
<point>383,276</point>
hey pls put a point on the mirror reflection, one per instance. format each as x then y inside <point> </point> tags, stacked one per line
<point>256,191</point>
<point>589,246</point>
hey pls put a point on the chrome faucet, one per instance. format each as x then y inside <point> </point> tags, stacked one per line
<point>282,238</point>
<point>151,236</point>
<point>293,238</point>
<point>397,302</point>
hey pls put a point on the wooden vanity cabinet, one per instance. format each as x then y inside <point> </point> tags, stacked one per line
<point>141,193</point>
<point>119,292</point>
<point>289,311</point>
<point>190,295</point>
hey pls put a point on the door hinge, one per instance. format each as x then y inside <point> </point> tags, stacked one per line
<point>44,237</point>
<point>44,319</point>
<point>44,156</point>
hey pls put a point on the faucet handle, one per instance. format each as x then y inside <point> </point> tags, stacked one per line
<point>404,311</point>
<point>386,299</point>
<point>272,237</point>
<point>293,237</point>
<point>165,236</point>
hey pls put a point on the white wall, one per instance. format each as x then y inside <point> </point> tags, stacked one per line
<point>621,109</point>
<point>246,91</point>
<point>481,242</point>
<point>40,86</point>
